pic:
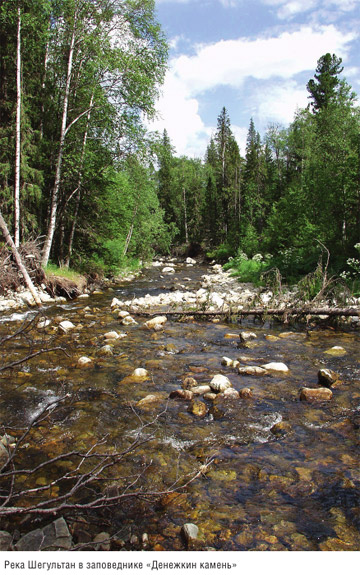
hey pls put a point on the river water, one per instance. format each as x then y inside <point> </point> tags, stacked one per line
<point>294,486</point>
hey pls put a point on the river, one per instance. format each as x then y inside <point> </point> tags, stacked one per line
<point>276,473</point>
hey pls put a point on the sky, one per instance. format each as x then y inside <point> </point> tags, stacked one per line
<point>254,57</point>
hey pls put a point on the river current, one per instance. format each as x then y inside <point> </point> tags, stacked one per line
<point>276,473</point>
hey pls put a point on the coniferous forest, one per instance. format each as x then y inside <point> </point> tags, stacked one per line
<point>81,175</point>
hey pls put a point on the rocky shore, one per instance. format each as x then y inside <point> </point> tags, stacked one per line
<point>218,292</point>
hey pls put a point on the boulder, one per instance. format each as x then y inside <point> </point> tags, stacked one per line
<point>66,326</point>
<point>327,377</point>
<point>252,370</point>
<point>247,336</point>
<point>201,389</point>
<point>319,394</point>
<point>83,361</point>
<point>190,532</point>
<point>102,541</point>
<point>5,541</point>
<point>231,393</point>
<point>53,537</point>
<point>153,323</point>
<point>276,366</point>
<point>123,314</point>
<point>106,350</point>
<point>220,383</point>
<point>140,372</point>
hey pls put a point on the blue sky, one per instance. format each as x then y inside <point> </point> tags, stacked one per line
<point>252,56</point>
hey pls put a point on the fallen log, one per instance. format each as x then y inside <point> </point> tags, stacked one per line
<point>330,312</point>
<point>18,261</point>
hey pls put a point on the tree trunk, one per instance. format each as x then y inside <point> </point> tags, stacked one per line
<point>18,134</point>
<point>185,217</point>
<point>55,192</point>
<point>78,197</point>
<point>128,237</point>
<point>17,258</point>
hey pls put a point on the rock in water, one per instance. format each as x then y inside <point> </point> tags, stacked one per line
<point>276,366</point>
<point>190,532</point>
<point>319,394</point>
<point>156,321</point>
<point>220,382</point>
<point>327,377</point>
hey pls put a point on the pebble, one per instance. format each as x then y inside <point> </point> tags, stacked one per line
<point>198,408</point>
<point>252,370</point>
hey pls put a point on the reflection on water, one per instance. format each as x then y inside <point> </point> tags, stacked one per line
<point>284,473</point>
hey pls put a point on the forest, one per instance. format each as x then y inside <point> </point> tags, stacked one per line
<point>82,177</point>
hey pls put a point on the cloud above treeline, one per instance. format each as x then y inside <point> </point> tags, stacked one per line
<point>269,64</point>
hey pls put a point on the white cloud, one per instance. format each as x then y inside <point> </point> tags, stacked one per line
<point>271,63</point>
<point>290,8</point>
<point>279,102</point>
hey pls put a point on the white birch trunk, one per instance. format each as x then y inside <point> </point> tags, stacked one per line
<point>18,134</point>
<point>55,192</point>
<point>78,198</point>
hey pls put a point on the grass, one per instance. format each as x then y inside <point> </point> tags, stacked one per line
<point>63,272</point>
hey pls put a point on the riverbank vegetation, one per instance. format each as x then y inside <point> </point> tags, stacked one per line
<point>81,175</point>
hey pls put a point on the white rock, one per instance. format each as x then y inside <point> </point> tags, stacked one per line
<point>276,366</point>
<point>43,323</point>
<point>220,382</point>
<point>84,361</point>
<point>227,361</point>
<point>112,335</point>
<point>156,321</point>
<point>123,314</point>
<point>116,302</point>
<point>128,320</point>
<point>247,336</point>
<point>140,372</point>
<point>168,270</point>
<point>190,261</point>
<point>66,326</point>
<point>83,296</point>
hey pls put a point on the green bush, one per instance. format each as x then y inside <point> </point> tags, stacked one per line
<point>249,270</point>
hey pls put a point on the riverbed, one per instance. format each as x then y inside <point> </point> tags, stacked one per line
<point>265,470</point>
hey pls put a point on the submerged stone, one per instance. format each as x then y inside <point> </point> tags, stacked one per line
<point>198,408</point>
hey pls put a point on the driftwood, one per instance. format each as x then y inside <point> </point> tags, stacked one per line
<point>298,311</point>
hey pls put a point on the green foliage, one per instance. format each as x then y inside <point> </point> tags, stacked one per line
<point>249,269</point>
